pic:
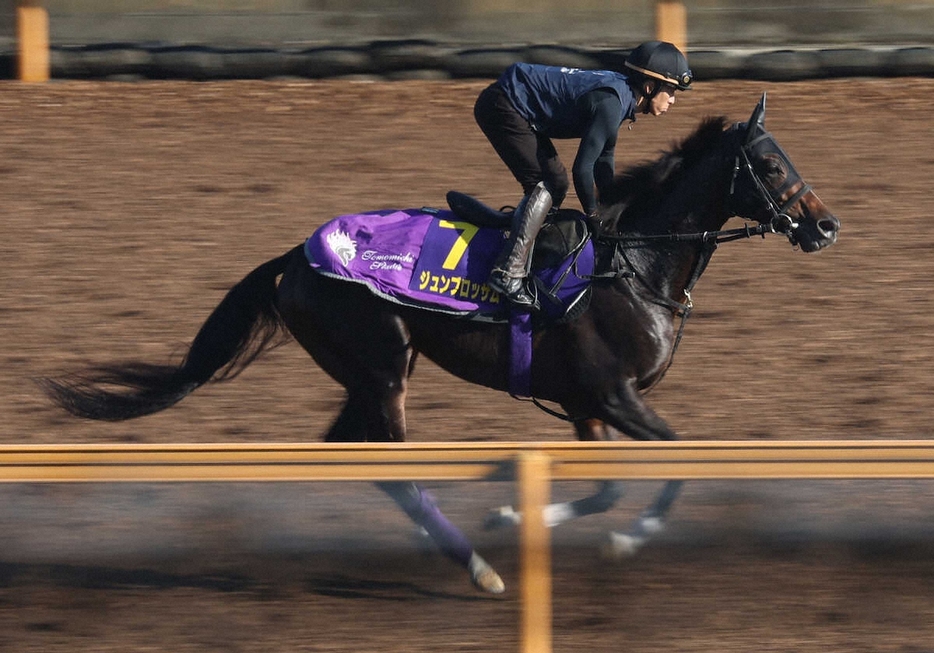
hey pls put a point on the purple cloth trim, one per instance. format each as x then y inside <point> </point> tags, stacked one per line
<point>520,353</point>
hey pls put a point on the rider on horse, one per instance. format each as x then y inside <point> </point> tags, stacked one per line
<point>530,104</point>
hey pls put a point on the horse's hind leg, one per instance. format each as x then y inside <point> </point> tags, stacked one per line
<point>359,419</point>
<point>359,343</point>
<point>421,508</point>
<point>373,360</point>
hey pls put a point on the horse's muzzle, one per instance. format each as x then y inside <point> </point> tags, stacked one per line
<point>814,234</point>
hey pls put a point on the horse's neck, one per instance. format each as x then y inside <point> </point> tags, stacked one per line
<point>696,206</point>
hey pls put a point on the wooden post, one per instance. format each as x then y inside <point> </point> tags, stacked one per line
<point>32,42</point>
<point>671,23</point>
<point>534,476</point>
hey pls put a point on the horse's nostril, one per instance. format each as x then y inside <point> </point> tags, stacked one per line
<point>829,225</point>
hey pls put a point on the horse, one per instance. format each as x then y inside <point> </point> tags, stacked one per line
<point>659,226</point>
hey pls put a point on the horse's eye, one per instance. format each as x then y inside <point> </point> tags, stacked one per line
<point>773,170</point>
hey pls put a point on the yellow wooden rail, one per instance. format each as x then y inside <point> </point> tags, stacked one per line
<point>463,462</point>
<point>532,465</point>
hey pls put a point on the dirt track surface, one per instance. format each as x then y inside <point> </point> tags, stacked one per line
<point>129,209</point>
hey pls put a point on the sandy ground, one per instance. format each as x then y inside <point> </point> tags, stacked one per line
<point>129,209</point>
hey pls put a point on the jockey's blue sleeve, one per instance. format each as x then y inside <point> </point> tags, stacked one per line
<point>594,163</point>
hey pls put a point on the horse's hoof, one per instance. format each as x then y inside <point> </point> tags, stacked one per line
<point>501,518</point>
<point>621,545</point>
<point>484,577</point>
<point>651,525</point>
<point>489,581</point>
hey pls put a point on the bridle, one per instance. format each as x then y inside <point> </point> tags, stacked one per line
<point>780,221</point>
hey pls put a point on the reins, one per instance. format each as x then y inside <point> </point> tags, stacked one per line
<point>710,240</point>
<point>720,236</point>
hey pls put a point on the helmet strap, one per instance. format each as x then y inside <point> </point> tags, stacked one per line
<point>648,97</point>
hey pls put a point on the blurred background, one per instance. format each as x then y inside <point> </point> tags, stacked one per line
<point>433,39</point>
<point>597,23</point>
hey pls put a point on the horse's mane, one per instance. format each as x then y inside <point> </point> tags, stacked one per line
<point>636,190</point>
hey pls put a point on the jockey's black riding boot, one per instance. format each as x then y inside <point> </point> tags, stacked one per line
<point>514,261</point>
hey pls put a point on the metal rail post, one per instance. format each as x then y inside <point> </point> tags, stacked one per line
<point>534,477</point>
<point>32,42</point>
<point>671,23</point>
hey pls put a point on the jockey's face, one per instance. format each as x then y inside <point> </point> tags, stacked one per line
<point>662,100</point>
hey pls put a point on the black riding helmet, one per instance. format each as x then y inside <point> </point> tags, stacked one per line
<point>661,60</point>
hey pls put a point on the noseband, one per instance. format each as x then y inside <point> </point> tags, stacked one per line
<point>780,222</point>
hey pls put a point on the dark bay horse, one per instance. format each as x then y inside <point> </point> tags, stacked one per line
<point>660,226</point>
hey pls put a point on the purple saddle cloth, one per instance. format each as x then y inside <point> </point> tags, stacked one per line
<point>429,259</point>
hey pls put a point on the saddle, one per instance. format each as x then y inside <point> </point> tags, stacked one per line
<point>563,235</point>
<point>472,210</point>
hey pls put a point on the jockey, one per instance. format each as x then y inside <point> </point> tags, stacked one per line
<point>531,104</point>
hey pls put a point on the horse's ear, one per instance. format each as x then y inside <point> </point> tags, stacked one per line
<point>757,119</point>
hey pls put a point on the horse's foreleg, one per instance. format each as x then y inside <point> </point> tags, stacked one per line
<point>422,509</point>
<point>555,514</point>
<point>632,416</point>
<point>648,523</point>
<point>608,493</point>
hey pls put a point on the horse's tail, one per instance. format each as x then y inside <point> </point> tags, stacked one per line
<point>243,325</point>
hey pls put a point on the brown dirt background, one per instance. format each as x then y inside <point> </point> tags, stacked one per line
<point>129,209</point>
